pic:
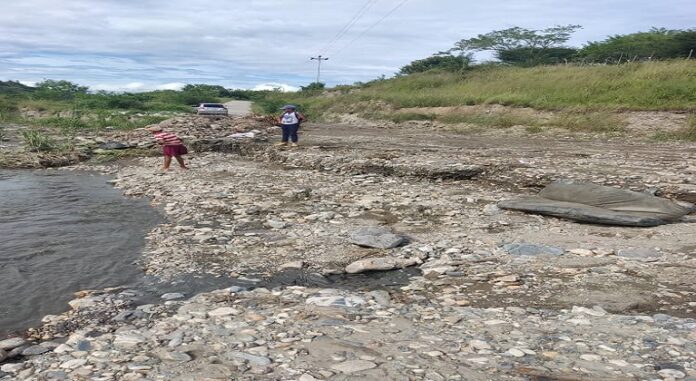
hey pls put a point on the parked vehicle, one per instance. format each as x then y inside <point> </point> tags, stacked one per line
<point>211,109</point>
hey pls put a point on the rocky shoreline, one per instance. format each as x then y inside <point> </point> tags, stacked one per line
<point>501,295</point>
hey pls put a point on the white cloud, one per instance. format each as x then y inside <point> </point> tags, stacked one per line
<point>276,86</point>
<point>134,86</point>
<point>111,43</point>
<point>171,86</point>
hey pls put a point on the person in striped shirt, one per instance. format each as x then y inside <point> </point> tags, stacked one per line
<point>172,146</point>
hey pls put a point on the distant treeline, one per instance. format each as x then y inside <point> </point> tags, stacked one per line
<point>525,47</point>
<point>62,95</point>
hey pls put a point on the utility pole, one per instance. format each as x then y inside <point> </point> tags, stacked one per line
<point>319,58</point>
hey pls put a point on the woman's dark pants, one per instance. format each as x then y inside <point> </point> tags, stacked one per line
<point>290,132</point>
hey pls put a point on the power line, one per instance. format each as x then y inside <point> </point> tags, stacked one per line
<point>401,4</point>
<point>356,17</point>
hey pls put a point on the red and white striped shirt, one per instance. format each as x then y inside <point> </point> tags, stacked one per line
<point>168,139</point>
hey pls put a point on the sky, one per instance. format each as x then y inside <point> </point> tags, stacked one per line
<point>138,45</point>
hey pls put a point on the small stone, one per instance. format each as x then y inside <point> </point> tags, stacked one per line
<point>253,359</point>
<point>55,375</point>
<point>591,357</point>
<point>550,355</point>
<point>515,352</point>
<point>595,311</point>
<point>673,373</point>
<point>73,364</point>
<point>354,366</point>
<point>307,377</point>
<point>619,363</point>
<point>84,345</point>
<point>224,311</point>
<point>479,344</point>
<point>582,252</point>
<point>382,297</point>
<point>128,340</point>
<point>9,344</point>
<point>275,224</point>
<point>172,296</point>
<point>336,301</point>
<point>639,253</point>
<point>491,210</point>
<point>508,279</point>
<point>35,350</point>
<point>380,264</point>
<point>296,265</point>
<point>174,356</point>
<point>12,368</point>
<point>531,249</point>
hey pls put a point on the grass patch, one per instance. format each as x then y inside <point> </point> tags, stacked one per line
<point>688,133</point>
<point>37,141</point>
<point>657,85</point>
<point>494,119</point>
<point>599,122</point>
<point>97,121</point>
<point>114,155</point>
<point>410,116</point>
<point>533,129</point>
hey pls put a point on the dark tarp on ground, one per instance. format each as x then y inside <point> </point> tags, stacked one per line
<point>600,205</point>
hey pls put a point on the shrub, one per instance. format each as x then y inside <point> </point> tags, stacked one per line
<point>687,133</point>
<point>37,141</point>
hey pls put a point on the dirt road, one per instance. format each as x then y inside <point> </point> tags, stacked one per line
<point>238,108</point>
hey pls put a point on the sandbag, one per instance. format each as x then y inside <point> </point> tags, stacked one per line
<point>600,205</point>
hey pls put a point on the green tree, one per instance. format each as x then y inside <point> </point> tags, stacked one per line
<point>657,43</point>
<point>200,93</point>
<point>687,43</point>
<point>58,90</point>
<point>314,86</point>
<point>520,45</point>
<point>445,62</point>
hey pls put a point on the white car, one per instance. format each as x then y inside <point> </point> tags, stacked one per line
<point>211,109</point>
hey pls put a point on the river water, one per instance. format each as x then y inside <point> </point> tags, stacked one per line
<point>61,232</point>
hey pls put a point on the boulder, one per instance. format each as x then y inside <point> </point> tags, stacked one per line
<point>380,264</point>
<point>601,205</point>
<point>376,237</point>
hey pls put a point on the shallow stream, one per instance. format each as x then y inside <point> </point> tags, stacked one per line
<point>61,232</point>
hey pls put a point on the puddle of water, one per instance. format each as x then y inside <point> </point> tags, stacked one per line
<point>368,281</point>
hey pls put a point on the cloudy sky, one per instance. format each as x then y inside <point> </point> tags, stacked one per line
<point>135,45</point>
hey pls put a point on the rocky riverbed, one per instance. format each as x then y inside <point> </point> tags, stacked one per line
<point>500,295</point>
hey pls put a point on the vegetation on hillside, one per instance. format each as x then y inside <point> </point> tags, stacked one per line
<point>668,85</point>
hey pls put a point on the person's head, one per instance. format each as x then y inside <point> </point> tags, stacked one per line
<point>289,108</point>
<point>154,129</point>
